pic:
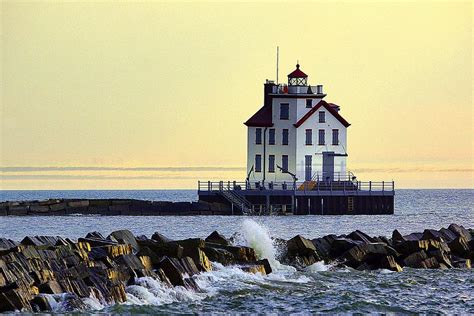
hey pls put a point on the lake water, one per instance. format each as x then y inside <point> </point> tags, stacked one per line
<point>319,289</point>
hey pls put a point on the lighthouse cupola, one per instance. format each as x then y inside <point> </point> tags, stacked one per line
<point>297,77</point>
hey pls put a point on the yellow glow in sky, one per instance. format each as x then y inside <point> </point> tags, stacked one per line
<point>99,92</point>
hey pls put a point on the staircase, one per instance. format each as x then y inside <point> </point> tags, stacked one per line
<point>237,200</point>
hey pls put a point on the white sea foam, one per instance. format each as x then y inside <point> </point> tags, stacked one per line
<point>148,291</point>
<point>258,237</point>
<point>317,267</point>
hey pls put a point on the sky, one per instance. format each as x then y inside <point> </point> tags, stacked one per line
<point>153,95</point>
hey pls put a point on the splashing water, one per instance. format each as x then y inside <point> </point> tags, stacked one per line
<point>258,237</point>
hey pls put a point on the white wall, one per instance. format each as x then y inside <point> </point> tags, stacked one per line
<point>316,150</point>
<point>296,148</point>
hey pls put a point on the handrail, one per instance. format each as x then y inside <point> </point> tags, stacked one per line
<point>344,186</point>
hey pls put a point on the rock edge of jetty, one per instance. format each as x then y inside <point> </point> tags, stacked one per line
<point>111,207</point>
<point>41,268</point>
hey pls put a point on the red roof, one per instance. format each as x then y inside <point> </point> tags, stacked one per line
<point>297,73</point>
<point>263,118</point>
<point>329,108</point>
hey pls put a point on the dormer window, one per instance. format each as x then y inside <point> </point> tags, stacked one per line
<point>309,103</point>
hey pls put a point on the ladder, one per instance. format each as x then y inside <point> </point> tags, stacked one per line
<point>237,200</point>
<point>350,203</point>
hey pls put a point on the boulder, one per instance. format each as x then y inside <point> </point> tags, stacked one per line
<point>430,263</point>
<point>266,265</point>
<point>341,245</point>
<point>432,234</point>
<point>408,247</point>
<point>175,271</point>
<point>217,238</point>
<point>396,236</point>
<point>460,231</point>
<point>447,234</point>
<point>462,264</point>
<point>221,256</point>
<point>124,236</point>
<point>160,238</point>
<point>199,257</point>
<point>460,246</point>
<point>370,253</point>
<point>389,262</point>
<point>159,249</point>
<point>415,259</point>
<point>360,236</point>
<point>301,252</point>
<point>40,304</point>
<point>254,268</point>
<point>240,254</point>
<point>51,287</point>
<point>323,247</point>
<point>191,243</point>
<point>95,235</point>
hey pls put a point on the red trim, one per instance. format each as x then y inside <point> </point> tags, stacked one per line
<point>297,74</point>
<point>263,118</point>
<point>329,108</point>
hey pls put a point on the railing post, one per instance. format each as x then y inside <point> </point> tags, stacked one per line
<point>209,186</point>
<point>383,186</point>
<point>370,186</point>
<point>199,185</point>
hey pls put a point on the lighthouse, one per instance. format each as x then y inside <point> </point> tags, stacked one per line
<point>297,160</point>
<point>296,133</point>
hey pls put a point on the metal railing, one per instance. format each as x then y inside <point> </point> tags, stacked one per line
<point>317,185</point>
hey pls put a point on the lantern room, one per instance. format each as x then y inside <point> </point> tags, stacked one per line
<point>297,77</point>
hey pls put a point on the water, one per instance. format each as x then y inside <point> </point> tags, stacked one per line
<point>319,288</point>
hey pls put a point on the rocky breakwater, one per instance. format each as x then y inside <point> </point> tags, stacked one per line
<point>110,207</point>
<point>41,273</point>
<point>451,247</point>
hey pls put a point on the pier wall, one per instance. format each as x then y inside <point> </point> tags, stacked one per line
<point>111,207</point>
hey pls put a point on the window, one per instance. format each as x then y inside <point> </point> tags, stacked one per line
<point>258,136</point>
<point>322,117</point>
<point>284,111</point>
<point>321,135</point>
<point>271,163</point>
<point>271,136</point>
<point>309,137</point>
<point>335,137</point>
<point>284,162</point>
<point>309,103</point>
<point>258,163</point>
<point>284,137</point>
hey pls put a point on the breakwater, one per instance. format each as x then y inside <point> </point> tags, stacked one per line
<point>44,273</point>
<point>111,207</point>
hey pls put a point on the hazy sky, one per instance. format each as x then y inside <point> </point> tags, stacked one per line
<point>154,95</point>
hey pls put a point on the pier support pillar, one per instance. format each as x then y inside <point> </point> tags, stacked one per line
<point>267,203</point>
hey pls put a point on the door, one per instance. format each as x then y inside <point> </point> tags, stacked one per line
<point>308,172</point>
<point>328,165</point>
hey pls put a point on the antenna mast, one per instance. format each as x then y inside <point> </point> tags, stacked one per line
<point>278,55</point>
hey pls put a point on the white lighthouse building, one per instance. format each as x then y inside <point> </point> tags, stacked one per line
<point>296,132</point>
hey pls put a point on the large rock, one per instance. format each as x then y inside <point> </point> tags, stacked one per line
<point>160,238</point>
<point>124,236</point>
<point>415,259</point>
<point>217,238</point>
<point>199,257</point>
<point>301,252</point>
<point>360,236</point>
<point>460,246</point>
<point>460,231</point>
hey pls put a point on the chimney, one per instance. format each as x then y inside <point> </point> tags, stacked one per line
<point>267,99</point>
<point>319,89</point>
